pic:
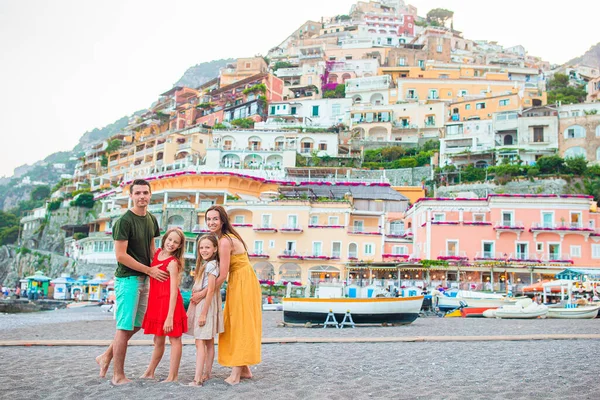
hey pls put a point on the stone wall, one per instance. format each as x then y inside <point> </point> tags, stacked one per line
<point>546,186</point>
<point>397,177</point>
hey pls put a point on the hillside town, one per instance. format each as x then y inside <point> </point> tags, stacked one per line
<point>281,140</point>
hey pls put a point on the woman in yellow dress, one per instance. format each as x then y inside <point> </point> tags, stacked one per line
<point>240,344</point>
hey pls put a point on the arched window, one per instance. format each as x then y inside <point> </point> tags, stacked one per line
<point>574,132</point>
<point>575,152</point>
<point>508,140</point>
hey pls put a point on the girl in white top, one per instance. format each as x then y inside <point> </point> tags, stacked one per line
<point>205,319</point>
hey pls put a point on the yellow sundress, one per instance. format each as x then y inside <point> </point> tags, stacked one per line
<point>240,344</point>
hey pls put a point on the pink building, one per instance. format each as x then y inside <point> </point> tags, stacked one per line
<point>519,238</point>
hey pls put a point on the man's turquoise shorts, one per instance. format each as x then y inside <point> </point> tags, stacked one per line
<point>131,295</point>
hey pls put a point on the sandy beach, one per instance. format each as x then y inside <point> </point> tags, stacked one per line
<point>541,369</point>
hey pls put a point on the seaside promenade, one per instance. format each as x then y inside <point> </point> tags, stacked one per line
<point>433,358</point>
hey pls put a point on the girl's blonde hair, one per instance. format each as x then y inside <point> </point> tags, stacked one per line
<point>200,262</point>
<point>178,254</point>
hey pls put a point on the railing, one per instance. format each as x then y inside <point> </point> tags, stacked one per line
<point>490,255</point>
<point>291,228</point>
<point>400,125</point>
<point>153,208</point>
<point>563,226</point>
<point>509,225</point>
<point>559,258</point>
<point>525,257</point>
<point>362,231</point>
<point>452,255</point>
<point>200,229</point>
<point>265,228</point>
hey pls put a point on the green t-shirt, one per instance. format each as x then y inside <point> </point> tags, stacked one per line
<point>139,233</point>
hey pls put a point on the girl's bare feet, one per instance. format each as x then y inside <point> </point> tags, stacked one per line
<point>205,377</point>
<point>170,379</point>
<point>147,375</point>
<point>195,383</point>
<point>103,365</point>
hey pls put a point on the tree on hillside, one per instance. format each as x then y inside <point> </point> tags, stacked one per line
<point>439,16</point>
<point>40,193</point>
<point>559,89</point>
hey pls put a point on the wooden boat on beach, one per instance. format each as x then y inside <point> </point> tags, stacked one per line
<point>376,310</point>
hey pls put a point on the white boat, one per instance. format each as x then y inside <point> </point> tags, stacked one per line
<point>377,310</point>
<point>579,312</point>
<point>452,300</point>
<point>523,309</point>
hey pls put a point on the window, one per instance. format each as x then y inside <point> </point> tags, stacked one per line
<point>554,251</point>
<point>248,65</point>
<point>507,218</point>
<point>190,247</point>
<point>576,220</point>
<point>462,93</point>
<point>451,248</point>
<point>575,251</point>
<point>539,247</point>
<point>272,110</point>
<point>402,61</point>
<point>439,48</point>
<point>315,111</point>
<point>488,249</point>
<point>238,219</point>
<point>479,106</point>
<point>317,248</point>
<point>478,217</point>
<point>574,152</point>
<point>266,221</point>
<point>352,250</point>
<point>399,250</point>
<point>333,221</point>
<point>421,63</point>
<point>290,248</point>
<point>439,217</point>
<point>547,219</point>
<point>504,102</point>
<point>396,227</point>
<point>522,251</point>
<point>389,40</point>
<point>595,250</point>
<point>508,140</point>
<point>467,106</point>
<point>314,220</point>
<point>258,247</point>
<point>538,134</point>
<point>335,109</point>
<point>323,146</point>
<point>358,226</point>
<point>369,249</point>
<point>336,249</point>
<point>411,94</point>
<point>433,94</point>
<point>293,110</point>
<point>574,132</point>
<point>292,221</point>
<point>348,57</point>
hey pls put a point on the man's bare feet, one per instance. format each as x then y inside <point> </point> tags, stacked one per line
<point>120,381</point>
<point>147,375</point>
<point>195,383</point>
<point>103,365</point>
<point>246,373</point>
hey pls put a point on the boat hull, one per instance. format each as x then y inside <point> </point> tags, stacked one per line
<point>379,310</point>
<point>585,312</point>
<point>475,312</point>
<point>512,314</point>
<point>445,303</point>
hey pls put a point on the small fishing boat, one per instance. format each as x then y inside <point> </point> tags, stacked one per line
<point>450,300</point>
<point>475,312</point>
<point>376,310</point>
<point>578,312</point>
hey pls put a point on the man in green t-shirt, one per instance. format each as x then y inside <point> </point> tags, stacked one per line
<point>134,234</point>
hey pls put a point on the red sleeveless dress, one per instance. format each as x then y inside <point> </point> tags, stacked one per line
<point>158,305</point>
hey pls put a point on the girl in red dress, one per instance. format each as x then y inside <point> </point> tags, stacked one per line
<point>165,315</point>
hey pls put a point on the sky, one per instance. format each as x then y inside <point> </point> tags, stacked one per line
<point>69,66</point>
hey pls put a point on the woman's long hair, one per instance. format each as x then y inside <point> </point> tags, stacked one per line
<point>226,228</point>
<point>178,254</point>
<point>200,262</point>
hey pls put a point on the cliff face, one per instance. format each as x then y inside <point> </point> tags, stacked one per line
<point>591,57</point>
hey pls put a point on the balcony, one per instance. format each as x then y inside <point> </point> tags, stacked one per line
<point>483,256</point>
<point>241,225</point>
<point>325,226</point>
<point>295,228</point>
<point>357,85</point>
<point>509,226</point>
<point>396,233</point>
<point>559,258</point>
<point>200,229</point>
<point>315,255</point>
<point>265,228</point>
<point>258,254</point>
<point>562,229</point>
<point>288,72</point>
<point>525,258</point>
<point>362,231</point>
<point>453,256</point>
<point>401,125</point>
<point>290,254</point>
<point>395,257</point>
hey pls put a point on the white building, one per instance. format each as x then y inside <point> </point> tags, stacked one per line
<point>373,90</point>
<point>468,142</point>
<point>321,113</point>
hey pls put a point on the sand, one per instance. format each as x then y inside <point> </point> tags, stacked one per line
<point>541,369</point>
